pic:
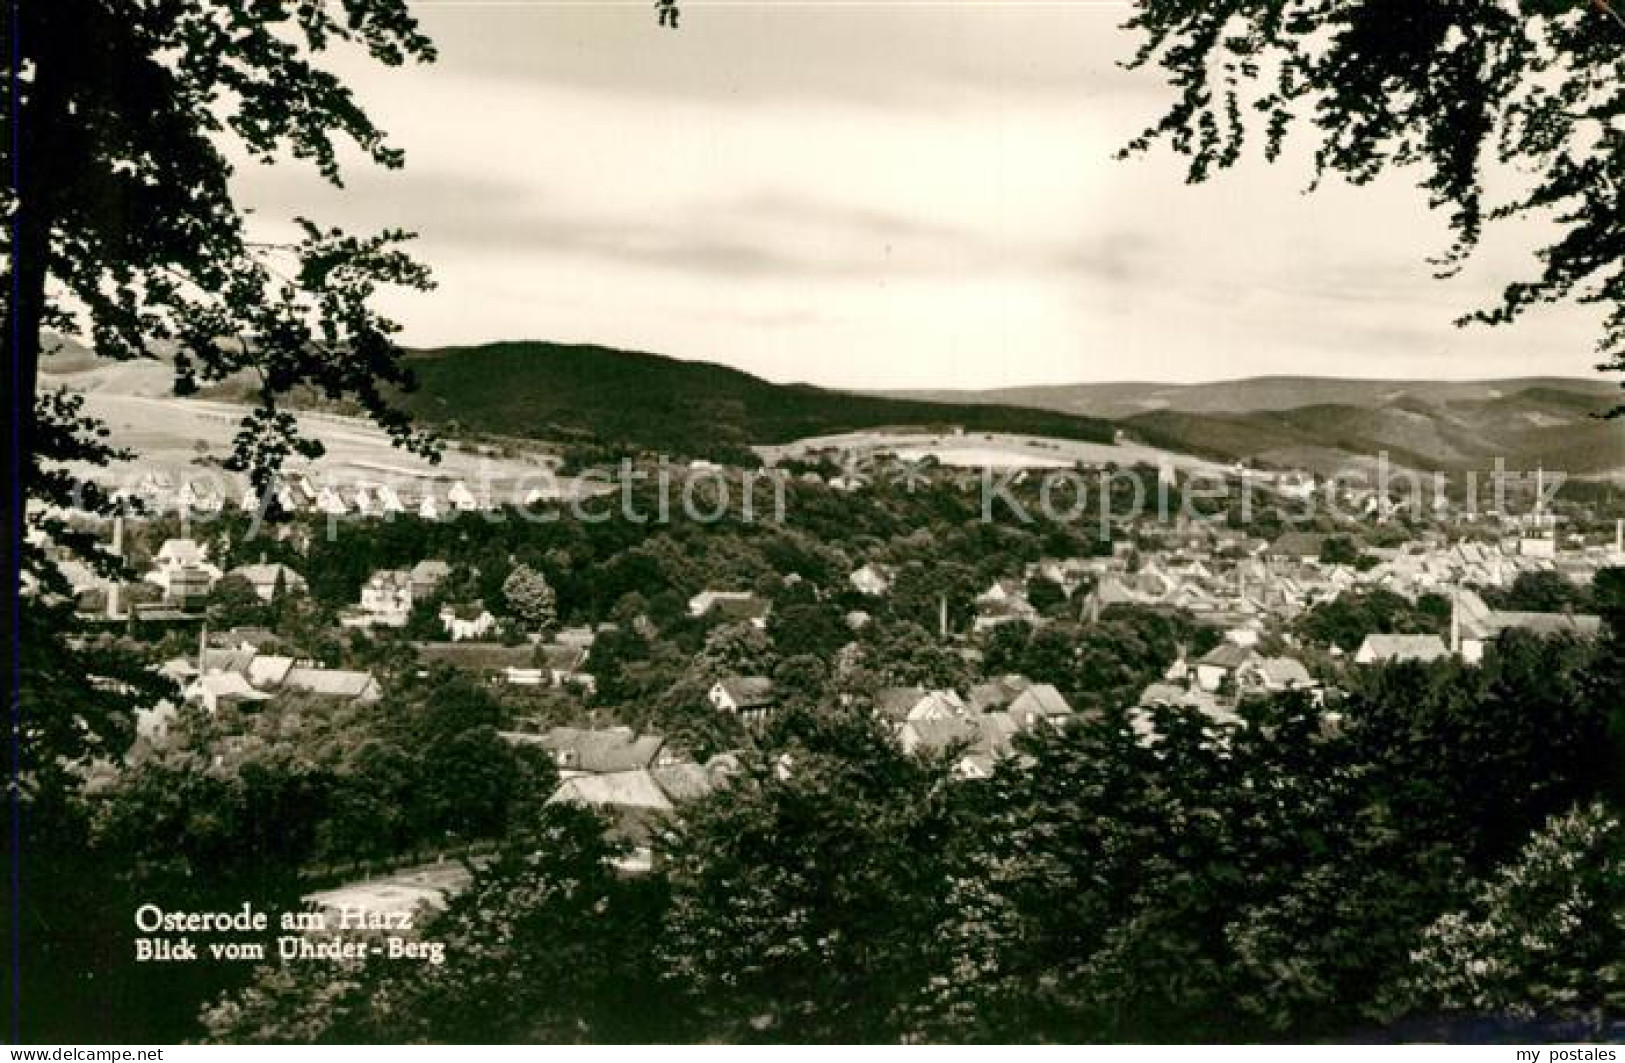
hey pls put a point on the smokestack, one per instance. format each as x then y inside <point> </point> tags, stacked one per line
<point>1455,622</point>
<point>942,615</point>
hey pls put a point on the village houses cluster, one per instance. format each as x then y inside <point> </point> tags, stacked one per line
<point>1247,590</point>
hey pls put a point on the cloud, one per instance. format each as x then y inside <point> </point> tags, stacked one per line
<point>882,197</point>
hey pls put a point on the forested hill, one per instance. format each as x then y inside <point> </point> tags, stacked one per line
<point>596,394</point>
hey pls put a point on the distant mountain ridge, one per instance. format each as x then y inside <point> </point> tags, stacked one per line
<point>1328,424</point>
<point>601,396</point>
<point>1124,399</point>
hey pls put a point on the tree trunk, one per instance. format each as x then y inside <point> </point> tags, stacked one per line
<point>30,183</point>
<point>24,306</point>
<point>24,302</point>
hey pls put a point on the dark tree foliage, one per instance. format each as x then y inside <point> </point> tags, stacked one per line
<point>1046,595</point>
<point>1103,664</point>
<point>1339,550</point>
<point>1540,592</point>
<point>1293,875</point>
<point>1346,620</point>
<point>121,229</point>
<point>235,603</point>
<point>814,629</point>
<point>804,898</point>
<point>1176,889</point>
<point>1449,91</point>
<point>550,944</point>
<point>1479,756</point>
<point>178,833</point>
<point>1541,937</point>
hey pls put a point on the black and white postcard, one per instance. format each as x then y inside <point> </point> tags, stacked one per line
<point>898,522</point>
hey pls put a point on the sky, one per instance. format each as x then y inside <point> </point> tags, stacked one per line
<point>883,195</point>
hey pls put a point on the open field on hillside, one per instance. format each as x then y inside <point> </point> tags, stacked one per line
<point>991,450</point>
<point>182,438</point>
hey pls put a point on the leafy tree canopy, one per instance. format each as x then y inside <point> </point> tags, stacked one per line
<point>1452,91</point>
<point>123,225</point>
<point>531,598</point>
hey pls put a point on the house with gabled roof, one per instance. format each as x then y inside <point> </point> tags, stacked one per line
<point>1273,675</point>
<point>182,568</point>
<point>1386,649</point>
<point>1171,695</point>
<point>894,703</point>
<point>213,660</point>
<point>341,684</point>
<point>981,740</point>
<point>751,698</point>
<point>935,735</point>
<point>1002,603</point>
<point>937,705</point>
<point>386,601</point>
<point>1113,589</point>
<point>218,690</point>
<point>995,694</point>
<point>1473,624</point>
<point>1220,663</point>
<point>565,664</point>
<point>640,802</point>
<point>465,622</point>
<point>426,577</point>
<point>270,579</point>
<point>1040,703</point>
<point>268,671</point>
<point>584,751</point>
<point>703,602</point>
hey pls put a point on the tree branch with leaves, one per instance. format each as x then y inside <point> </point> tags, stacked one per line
<point>1449,90</point>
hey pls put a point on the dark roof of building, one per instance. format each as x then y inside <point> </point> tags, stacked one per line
<point>1227,655</point>
<point>996,693</point>
<point>1039,700</point>
<point>330,682</point>
<point>601,752</point>
<point>477,656</point>
<point>749,692</point>
<point>227,660</point>
<point>895,702</point>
